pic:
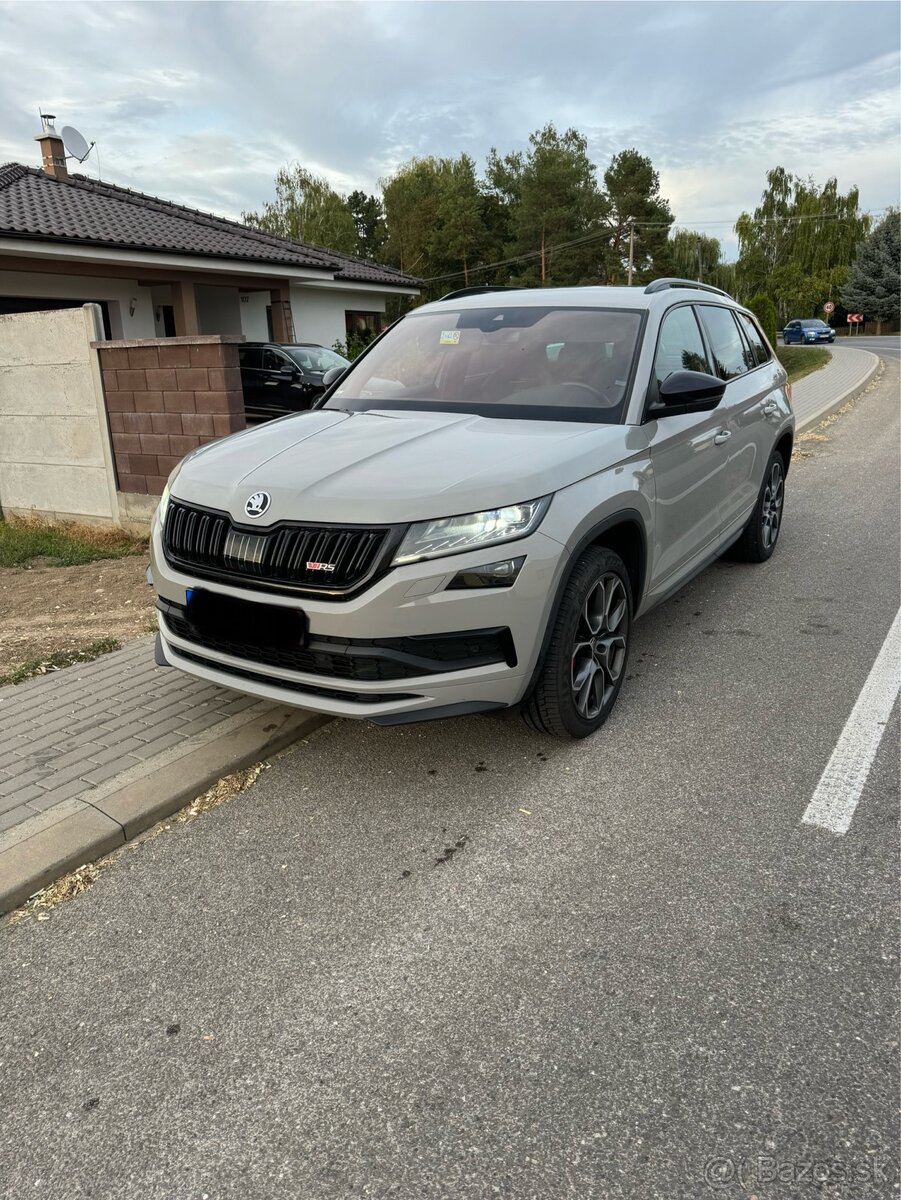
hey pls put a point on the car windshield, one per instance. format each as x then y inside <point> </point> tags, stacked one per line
<point>814,325</point>
<point>545,364</point>
<point>315,358</point>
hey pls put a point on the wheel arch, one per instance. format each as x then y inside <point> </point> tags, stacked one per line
<point>625,534</point>
<point>784,446</point>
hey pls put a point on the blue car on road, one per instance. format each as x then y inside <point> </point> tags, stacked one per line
<point>807,332</point>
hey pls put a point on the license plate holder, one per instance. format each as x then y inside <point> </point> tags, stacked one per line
<point>250,622</point>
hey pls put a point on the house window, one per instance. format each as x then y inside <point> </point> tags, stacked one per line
<point>371,323</point>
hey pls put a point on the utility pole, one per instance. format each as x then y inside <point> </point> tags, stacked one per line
<point>700,271</point>
<point>631,250</point>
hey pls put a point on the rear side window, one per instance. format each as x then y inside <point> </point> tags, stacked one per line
<point>730,355</point>
<point>249,356</point>
<point>755,340</point>
<point>680,346</point>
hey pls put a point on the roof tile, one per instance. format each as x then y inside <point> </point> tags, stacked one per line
<point>78,209</point>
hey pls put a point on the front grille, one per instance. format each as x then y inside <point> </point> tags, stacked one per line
<point>322,558</point>
<point>360,661</point>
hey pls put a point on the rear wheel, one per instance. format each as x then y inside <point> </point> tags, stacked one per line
<point>586,658</point>
<point>758,540</point>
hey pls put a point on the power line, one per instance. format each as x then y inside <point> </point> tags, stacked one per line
<point>612,229</point>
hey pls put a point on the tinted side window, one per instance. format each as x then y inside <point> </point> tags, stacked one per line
<point>273,361</point>
<point>726,343</point>
<point>756,342</point>
<point>249,356</point>
<point>679,347</point>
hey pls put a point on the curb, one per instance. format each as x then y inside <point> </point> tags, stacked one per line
<point>84,829</point>
<point>850,394</point>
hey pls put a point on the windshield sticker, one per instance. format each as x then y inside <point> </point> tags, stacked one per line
<point>449,337</point>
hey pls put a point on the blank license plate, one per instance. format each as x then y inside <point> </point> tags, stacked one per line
<point>248,621</point>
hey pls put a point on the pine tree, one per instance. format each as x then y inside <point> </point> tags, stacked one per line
<point>874,282</point>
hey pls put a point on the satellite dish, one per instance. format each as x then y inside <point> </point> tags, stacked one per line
<point>75,143</point>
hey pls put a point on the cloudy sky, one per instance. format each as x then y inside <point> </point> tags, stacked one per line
<point>202,102</point>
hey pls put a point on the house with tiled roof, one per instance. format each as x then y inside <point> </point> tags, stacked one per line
<point>160,269</point>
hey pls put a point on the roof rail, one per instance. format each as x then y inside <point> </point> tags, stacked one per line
<point>480,290</point>
<point>660,285</point>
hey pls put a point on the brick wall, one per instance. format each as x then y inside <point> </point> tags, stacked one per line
<point>164,397</point>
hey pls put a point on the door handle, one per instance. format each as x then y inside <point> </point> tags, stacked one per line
<point>769,408</point>
<point>722,436</point>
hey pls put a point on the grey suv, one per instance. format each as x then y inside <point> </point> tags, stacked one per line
<point>479,507</point>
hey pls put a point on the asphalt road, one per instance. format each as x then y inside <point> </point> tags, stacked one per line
<point>889,345</point>
<point>455,960</point>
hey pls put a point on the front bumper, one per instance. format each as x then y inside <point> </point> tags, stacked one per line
<point>380,627</point>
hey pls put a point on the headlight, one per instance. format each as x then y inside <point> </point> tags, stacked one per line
<point>163,505</point>
<point>453,535</point>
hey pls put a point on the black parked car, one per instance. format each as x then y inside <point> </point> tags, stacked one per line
<point>278,380</point>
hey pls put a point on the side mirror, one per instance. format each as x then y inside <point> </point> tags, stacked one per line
<point>332,375</point>
<point>686,392</point>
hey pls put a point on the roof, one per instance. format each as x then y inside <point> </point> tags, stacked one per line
<point>587,296</point>
<point>89,212</point>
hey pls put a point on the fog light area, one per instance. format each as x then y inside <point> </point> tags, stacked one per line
<point>492,575</point>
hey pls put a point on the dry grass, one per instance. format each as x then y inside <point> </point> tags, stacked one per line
<point>816,435</point>
<point>59,659</point>
<point>77,882</point>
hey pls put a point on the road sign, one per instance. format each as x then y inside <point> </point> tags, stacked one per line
<point>855,318</point>
<point>828,306</point>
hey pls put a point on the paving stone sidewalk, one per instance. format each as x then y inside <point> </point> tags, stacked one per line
<point>92,754</point>
<point>83,749</point>
<point>63,734</point>
<point>818,394</point>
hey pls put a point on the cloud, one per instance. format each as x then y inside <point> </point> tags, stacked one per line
<point>204,102</point>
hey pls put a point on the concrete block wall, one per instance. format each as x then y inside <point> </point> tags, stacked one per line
<point>164,397</point>
<point>55,455</point>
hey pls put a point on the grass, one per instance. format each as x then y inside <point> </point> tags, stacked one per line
<point>25,540</point>
<point>802,360</point>
<point>58,660</point>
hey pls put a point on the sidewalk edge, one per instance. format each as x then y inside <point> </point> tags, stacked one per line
<point>850,393</point>
<point>94,829</point>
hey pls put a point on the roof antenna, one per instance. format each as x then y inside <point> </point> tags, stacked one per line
<point>76,146</point>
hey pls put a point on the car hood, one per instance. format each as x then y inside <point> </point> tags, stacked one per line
<point>386,467</point>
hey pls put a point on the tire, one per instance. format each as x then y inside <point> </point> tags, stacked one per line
<point>759,536</point>
<point>585,663</point>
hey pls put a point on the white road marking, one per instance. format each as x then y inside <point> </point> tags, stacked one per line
<point>837,794</point>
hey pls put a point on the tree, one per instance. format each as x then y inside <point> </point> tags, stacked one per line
<point>765,311</point>
<point>798,242</point>
<point>552,196</point>
<point>691,255</point>
<point>307,209</point>
<point>633,203</point>
<point>874,281</point>
<point>435,214</point>
<point>368,215</point>
<point>459,236</point>
<point>410,198</point>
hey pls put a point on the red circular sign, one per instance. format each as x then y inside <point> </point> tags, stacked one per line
<point>828,306</point>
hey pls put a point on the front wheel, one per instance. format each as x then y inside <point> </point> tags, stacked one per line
<point>586,659</point>
<point>758,539</point>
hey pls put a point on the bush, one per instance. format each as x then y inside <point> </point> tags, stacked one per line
<point>354,346</point>
<point>765,311</point>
